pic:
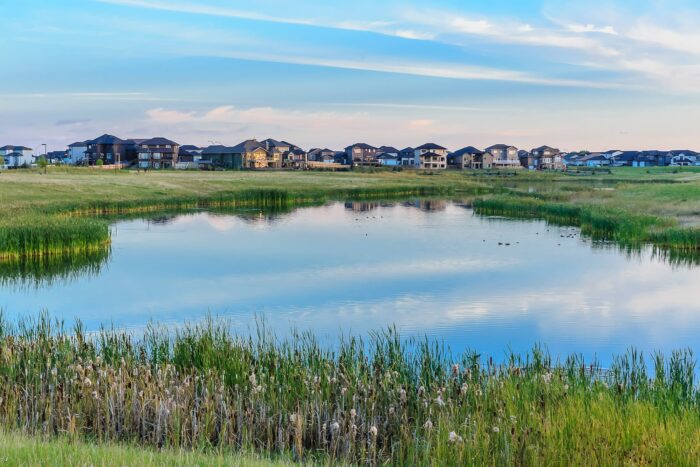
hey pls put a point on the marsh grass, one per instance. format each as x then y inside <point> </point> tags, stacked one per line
<point>35,272</point>
<point>368,401</point>
<point>598,222</point>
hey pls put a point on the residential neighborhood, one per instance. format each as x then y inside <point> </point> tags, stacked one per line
<point>157,153</point>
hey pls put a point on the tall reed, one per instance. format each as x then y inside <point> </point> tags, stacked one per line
<point>379,400</point>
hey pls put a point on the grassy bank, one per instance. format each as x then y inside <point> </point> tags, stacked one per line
<point>43,215</point>
<point>381,400</point>
<point>21,450</point>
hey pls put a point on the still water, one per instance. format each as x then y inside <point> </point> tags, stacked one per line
<point>428,267</point>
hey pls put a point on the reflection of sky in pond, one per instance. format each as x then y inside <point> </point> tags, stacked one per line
<point>337,270</point>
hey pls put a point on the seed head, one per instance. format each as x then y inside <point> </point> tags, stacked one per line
<point>428,425</point>
<point>454,438</point>
<point>373,431</point>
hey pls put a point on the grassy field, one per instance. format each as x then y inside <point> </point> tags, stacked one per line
<point>383,400</point>
<point>52,214</point>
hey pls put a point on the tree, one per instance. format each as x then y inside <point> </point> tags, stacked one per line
<point>42,163</point>
<point>2,160</point>
<point>99,163</point>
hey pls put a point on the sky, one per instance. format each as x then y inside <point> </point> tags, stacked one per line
<point>594,75</point>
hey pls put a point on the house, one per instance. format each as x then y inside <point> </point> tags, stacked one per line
<point>547,158</point>
<point>111,150</point>
<point>470,158</point>
<point>295,158</point>
<point>16,156</point>
<point>189,153</point>
<point>321,155</point>
<point>388,159</point>
<point>57,157</point>
<point>407,157</point>
<point>361,154</point>
<point>76,152</point>
<point>430,156</point>
<point>595,159</point>
<point>158,153</point>
<point>680,158</point>
<point>504,156</point>
<point>256,156</point>
<point>222,156</point>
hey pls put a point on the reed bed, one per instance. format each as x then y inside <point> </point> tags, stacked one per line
<point>374,401</point>
<point>598,222</point>
<point>35,272</point>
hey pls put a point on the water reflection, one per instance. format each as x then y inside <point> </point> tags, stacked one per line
<point>47,271</point>
<point>427,266</point>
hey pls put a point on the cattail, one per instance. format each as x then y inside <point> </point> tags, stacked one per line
<point>455,370</point>
<point>353,412</point>
<point>428,425</point>
<point>454,438</point>
<point>463,390</point>
<point>87,382</point>
<point>439,401</point>
<point>373,431</point>
<point>253,380</point>
<point>335,427</point>
<point>343,391</point>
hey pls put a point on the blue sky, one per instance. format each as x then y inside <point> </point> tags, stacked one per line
<point>575,74</point>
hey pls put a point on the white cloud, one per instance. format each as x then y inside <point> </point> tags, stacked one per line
<point>585,28</point>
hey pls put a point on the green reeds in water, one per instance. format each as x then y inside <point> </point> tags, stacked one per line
<point>374,401</point>
<point>34,272</point>
<point>36,235</point>
<point>600,223</point>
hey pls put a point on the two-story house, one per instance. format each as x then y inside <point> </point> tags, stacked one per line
<point>158,153</point>
<point>470,158</point>
<point>547,158</point>
<point>16,156</point>
<point>361,154</point>
<point>407,157</point>
<point>111,150</point>
<point>256,156</point>
<point>76,152</point>
<point>430,156</point>
<point>504,156</point>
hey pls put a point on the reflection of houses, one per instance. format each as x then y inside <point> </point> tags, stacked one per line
<point>361,154</point>
<point>16,156</point>
<point>361,206</point>
<point>428,205</point>
<point>431,156</point>
<point>547,158</point>
<point>470,158</point>
<point>158,153</point>
<point>504,156</point>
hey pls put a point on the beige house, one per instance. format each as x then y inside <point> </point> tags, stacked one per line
<point>430,156</point>
<point>504,156</point>
<point>255,156</point>
<point>470,158</point>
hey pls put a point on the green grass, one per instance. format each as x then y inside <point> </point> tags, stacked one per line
<point>204,389</point>
<point>19,450</point>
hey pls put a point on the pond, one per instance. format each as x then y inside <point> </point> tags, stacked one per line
<point>429,267</point>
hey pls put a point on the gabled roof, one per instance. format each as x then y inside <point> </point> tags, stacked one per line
<point>408,149</point>
<point>431,146</point>
<point>158,141</point>
<point>361,146</point>
<point>499,146</point>
<point>471,150</point>
<point>219,149</point>
<point>78,144</point>
<point>190,147</point>
<point>248,145</point>
<point>388,149</point>
<point>106,139</point>
<point>431,154</point>
<point>15,148</point>
<point>544,148</point>
<point>524,153</point>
